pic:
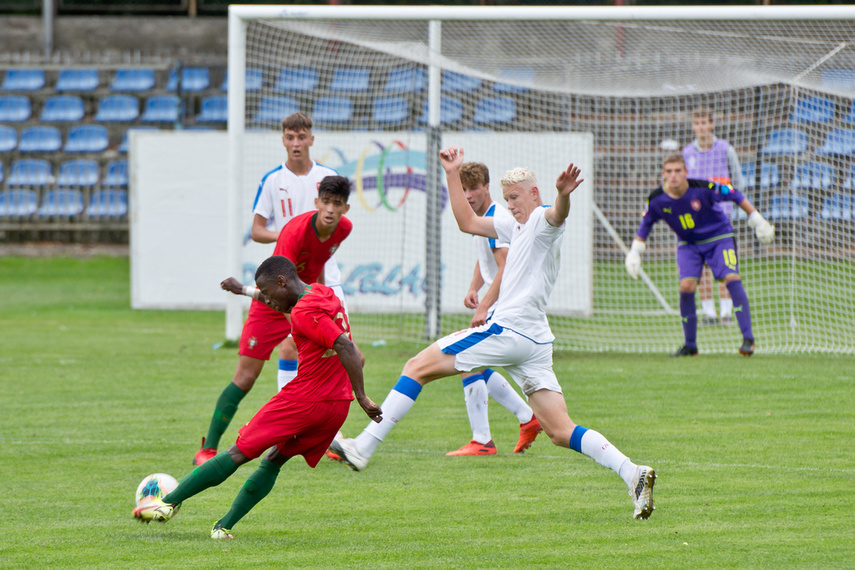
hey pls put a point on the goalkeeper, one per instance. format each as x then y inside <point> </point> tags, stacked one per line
<point>692,208</point>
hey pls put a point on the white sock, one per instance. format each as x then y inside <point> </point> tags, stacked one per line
<point>475,396</point>
<point>726,307</point>
<point>287,372</point>
<point>501,391</point>
<point>597,447</point>
<point>395,407</point>
<point>708,305</point>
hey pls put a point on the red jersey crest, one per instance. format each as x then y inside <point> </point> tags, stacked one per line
<point>696,205</point>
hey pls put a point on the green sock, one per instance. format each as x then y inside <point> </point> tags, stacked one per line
<point>225,410</point>
<point>256,488</point>
<point>209,474</point>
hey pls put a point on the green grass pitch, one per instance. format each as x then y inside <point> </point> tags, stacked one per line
<point>754,456</point>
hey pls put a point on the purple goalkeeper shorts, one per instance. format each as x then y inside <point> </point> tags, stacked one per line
<point>720,255</point>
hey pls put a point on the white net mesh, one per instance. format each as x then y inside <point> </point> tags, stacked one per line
<point>781,93</point>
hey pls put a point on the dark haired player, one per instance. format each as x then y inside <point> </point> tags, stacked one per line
<point>303,417</point>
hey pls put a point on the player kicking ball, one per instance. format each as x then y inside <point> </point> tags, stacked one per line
<point>303,417</point>
<point>692,209</point>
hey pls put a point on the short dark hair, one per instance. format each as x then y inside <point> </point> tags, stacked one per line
<point>336,186</point>
<point>473,174</point>
<point>274,266</point>
<point>297,122</point>
<point>674,157</point>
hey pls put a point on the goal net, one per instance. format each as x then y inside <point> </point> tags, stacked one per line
<point>612,89</point>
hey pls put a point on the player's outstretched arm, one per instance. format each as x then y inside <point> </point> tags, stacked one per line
<point>232,285</point>
<point>349,357</point>
<point>468,222</point>
<point>764,230</point>
<point>566,183</point>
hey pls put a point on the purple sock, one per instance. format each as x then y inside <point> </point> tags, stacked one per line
<point>740,308</point>
<point>689,315</point>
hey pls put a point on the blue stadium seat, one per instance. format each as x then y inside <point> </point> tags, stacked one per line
<point>118,109</point>
<point>350,79</point>
<point>813,110</point>
<point>78,173</point>
<point>15,108</point>
<point>788,206</point>
<point>30,172</point>
<point>8,138</point>
<point>391,110</point>
<point>453,82</point>
<point>23,80</point>
<point>516,80</point>
<point>161,109</point>
<point>769,175</point>
<point>406,80</point>
<point>61,203</point>
<point>495,110</point>
<point>254,80</point>
<point>62,109</point>
<point>108,204</point>
<point>117,174</point>
<point>813,176</point>
<point>123,147</point>
<point>450,110</point>
<point>837,208</point>
<point>274,109</point>
<point>133,80</point>
<point>786,142</point>
<point>18,203</point>
<point>333,110</point>
<point>87,138</point>
<point>192,79</point>
<point>214,109</point>
<point>296,79</point>
<point>842,79</point>
<point>839,142</point>
<point>77,80</point>
<point>40,139</point>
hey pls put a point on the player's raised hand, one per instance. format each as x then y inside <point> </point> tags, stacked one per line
<point>451,158</point>
<point>569,180</point>
<point>373,410</point>
<point>232,285</point>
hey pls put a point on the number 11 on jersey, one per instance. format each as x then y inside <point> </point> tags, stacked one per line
<point>287,211</point>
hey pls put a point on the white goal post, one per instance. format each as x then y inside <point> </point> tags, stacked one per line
<point>614,88</point>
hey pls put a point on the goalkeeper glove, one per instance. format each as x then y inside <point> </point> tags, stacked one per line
<point>764,230</point>
<point>633,258</point>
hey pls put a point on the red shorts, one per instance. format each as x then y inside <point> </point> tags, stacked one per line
<point>263,330</point>
<point>295,428</point>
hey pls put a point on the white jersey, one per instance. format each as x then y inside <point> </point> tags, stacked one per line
<point>283,195</point>
<point>484,246</point>
<point>531,269</point>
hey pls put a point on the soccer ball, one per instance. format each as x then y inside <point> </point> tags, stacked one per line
<point>157,485</point>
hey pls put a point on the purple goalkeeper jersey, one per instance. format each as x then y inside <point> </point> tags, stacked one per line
<point>695,217</point>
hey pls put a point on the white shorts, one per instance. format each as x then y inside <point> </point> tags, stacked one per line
<point>528,363</point>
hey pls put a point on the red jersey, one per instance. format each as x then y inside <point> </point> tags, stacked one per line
<point>317,320</point>
<point>298,241</point>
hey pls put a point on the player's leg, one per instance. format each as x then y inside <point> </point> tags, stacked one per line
<point>706,293</point>
<point>725,304</point>
<point>501,390</point>
<point>690,264</point>
<point>428,365</point>
<point>475,397</point>
<point>287,362</point>
<point>247,372</point>
<point>724,263</point>
<point>255,488</point>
